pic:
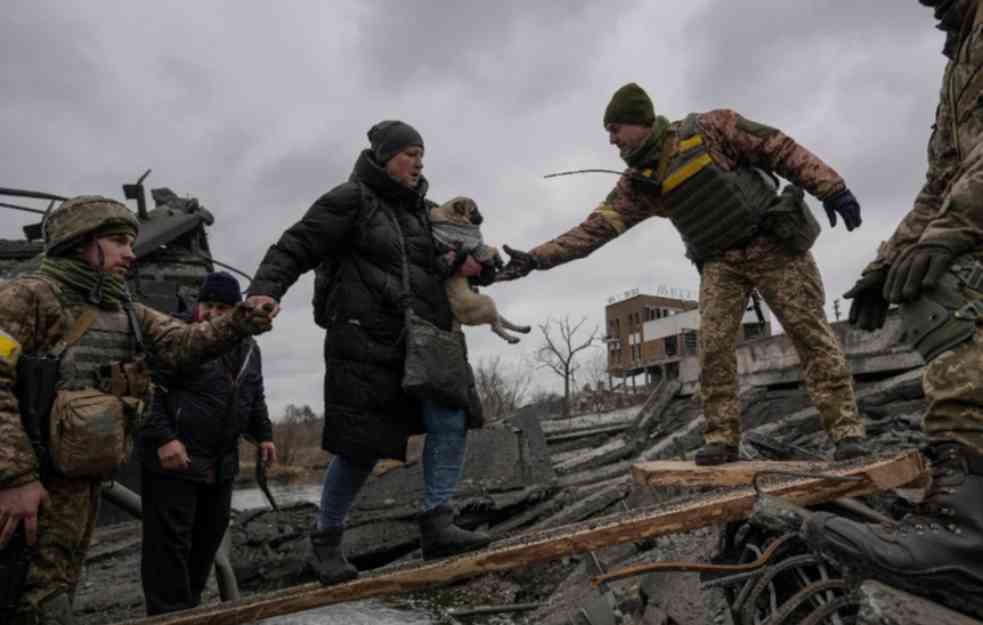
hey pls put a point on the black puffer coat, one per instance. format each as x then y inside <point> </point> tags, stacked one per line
<point>367,415</point>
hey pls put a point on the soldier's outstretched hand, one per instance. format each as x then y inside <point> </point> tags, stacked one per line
<point>847,206</point>
<point>18,504</point>
<point>254,318</point>
<point>519,265</point>
<point>868,311</point>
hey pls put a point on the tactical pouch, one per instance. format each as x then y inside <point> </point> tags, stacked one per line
<point>791,221</point>
<point>946,316</point>
<point>90,432</point>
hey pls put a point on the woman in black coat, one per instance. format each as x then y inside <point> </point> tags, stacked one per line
<point>350,236</point>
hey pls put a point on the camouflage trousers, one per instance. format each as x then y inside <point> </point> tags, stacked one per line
<point>953,384</point>
<point>65,527</point>
<point>793,289</point>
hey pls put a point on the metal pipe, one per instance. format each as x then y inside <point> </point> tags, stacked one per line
<point>129,501</point>
<point>34,194</point>
<point>228,585</point>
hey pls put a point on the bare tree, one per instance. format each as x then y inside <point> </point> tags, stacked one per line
<point>501,388</point>
<point>294,431</point>
<point>559,351</point>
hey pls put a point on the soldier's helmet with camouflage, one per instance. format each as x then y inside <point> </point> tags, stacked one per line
<point>68,225</point>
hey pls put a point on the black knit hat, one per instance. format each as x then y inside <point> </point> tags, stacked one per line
<point>630,105</point>
<point>390,137</point>
<point>221,287</point>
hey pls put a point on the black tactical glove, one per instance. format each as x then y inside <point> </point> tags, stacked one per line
<point>847,206</point>
<point>520,264</point>
<point>868,311</point>
<point>919,269</point>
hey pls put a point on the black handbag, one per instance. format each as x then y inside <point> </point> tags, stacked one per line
<point>436,364</point>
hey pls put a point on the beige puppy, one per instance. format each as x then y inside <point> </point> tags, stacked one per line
<point>456,227</point>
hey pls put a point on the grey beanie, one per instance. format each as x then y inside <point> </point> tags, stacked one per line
<point>390,137</point>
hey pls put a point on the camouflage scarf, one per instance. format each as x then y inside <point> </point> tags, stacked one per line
<point>648,153</point>
<point>97,287</point>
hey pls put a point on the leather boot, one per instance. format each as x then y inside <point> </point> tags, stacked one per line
<point>715,453</point>
<point>439,537</point>
<point>326,559</point>
<point>849,448</point>
<point>933,551</point>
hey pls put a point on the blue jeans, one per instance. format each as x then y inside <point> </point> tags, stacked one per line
<point>443,457</point>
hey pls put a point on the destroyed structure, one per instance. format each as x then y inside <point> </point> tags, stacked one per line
<point>658,337</point>
<point>575,500</point>
<point>571,500</point>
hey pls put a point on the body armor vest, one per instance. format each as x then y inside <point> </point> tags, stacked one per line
<point>107,340</point>
<point>714,210</point>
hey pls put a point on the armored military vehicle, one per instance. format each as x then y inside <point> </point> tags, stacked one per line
<point>172,258</point>
<point>172,249</point>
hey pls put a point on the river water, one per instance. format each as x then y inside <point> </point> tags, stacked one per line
<point>371,612</point>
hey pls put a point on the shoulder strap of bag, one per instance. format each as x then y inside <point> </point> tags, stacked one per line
<point>78,329</point>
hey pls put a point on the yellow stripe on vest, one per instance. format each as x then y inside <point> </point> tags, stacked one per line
<point>687,144</point>
<point>612,217</point>
<point>9,349</point>
<point>685,172</point>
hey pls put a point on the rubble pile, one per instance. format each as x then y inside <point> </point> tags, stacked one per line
<point>534,473</point>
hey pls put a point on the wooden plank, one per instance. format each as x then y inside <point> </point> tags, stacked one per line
<point>591,535</point>
<point>687,474</point>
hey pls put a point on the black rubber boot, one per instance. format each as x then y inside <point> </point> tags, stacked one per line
<point>715,453</point>
<point>935,550</point>
<point>849,448</point>
<point>326,559</point>
<point>439,537</point>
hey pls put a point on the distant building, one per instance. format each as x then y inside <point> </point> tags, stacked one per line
<point>657,337</point>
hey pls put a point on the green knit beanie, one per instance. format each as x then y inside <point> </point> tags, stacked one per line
<point>630,105</point>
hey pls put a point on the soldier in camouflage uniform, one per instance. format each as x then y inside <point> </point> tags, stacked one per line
<point>710,174</point>
<point>88,242</point>
<point>930,266</point>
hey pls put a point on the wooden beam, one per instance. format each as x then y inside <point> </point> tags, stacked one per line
<point>686,474</point>
<point>590,535</point>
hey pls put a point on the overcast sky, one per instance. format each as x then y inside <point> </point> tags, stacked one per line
<point>257,108</point>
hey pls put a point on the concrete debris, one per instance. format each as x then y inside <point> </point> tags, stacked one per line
<point>534,473</point>
<point>881,604</point>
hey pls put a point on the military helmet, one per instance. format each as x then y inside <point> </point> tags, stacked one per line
<point>78,217</point>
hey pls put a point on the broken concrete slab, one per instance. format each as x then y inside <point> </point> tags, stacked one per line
<point>881,604</point>
<point>612,451</point>
<point>511,456</point>
<point>621,416</point>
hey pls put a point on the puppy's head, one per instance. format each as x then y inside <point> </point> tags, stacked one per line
<point>460,210</point>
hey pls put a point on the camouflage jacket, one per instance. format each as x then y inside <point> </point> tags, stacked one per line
<point>733,141</point>
<point>943,210</point>
<point>33,319</point>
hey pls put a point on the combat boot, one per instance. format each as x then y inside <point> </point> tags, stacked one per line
<point>849,448</point>
<point>715,453</point>
<point>933,551</point>
<point>439,537</point>
<point>326,559</point>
